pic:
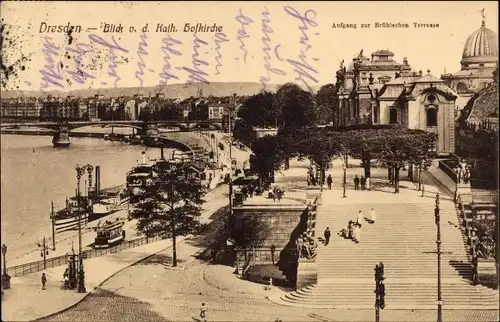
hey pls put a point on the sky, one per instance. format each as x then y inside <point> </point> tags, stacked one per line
<point>284,41</point>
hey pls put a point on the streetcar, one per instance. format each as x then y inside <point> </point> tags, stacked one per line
<point>109,234</point>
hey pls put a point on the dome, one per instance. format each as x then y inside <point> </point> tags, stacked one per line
<point>480,47</point>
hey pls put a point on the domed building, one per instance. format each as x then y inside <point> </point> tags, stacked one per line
<point>479,60</point>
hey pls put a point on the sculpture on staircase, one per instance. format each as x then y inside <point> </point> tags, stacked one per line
<point>306,246</point>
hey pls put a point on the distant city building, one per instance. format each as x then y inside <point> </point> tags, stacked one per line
<point>22,107</point>
<point>215,112</point>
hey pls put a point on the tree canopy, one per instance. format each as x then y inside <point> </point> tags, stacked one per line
<point>267,156</point>
<point>171,205</point>
<point>325,103</point>
<point>297,105</point>
<point>258,110</point>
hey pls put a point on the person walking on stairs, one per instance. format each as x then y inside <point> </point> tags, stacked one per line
<point>475,278</point>
<point>373,216</point>
<point>329,181</point>
<point>357,233</point>
<point>327,235</point>
<point>356,182</point>
<point>360,218</point>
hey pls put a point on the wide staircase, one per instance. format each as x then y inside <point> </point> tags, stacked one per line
<point>404,239</point>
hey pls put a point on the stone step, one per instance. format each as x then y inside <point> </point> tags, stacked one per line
<point>392,299</point>
<point>396,298</point>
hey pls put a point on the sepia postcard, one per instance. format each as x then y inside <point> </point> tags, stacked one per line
<point>249,161</point>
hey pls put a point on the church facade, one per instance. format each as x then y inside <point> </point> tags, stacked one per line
<point>381,90</point>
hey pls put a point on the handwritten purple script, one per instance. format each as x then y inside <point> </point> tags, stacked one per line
<point>113,47</point>
<point>51,72</point>
<point>79,75</point>
<point>219,38</point>
<point>141,52</point>
<point>267,30</point>
<point>168,49</point>
<point>242,33</point>
<point>304,70</point>
<point>197,73</point>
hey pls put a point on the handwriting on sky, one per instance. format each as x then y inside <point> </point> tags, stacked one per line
<point>188,55</point>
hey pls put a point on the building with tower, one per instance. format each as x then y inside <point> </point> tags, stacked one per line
<point>479,61</point>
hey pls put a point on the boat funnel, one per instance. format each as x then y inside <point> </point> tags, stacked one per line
<point>144,161</point>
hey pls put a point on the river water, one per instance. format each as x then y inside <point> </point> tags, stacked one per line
<point>33,173</point>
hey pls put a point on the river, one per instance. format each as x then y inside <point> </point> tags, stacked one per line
<point>33,173</point>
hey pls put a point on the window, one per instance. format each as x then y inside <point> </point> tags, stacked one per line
<point>431,117</point>
<point>393,116</point>
<point>461,88</point>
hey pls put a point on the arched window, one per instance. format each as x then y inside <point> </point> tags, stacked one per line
<point>393,116</point>
<point>431,114</point>
<point>461,88</point>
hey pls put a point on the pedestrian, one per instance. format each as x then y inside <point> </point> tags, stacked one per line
<point>44,280</point>
<point>475,278</point>
<point>350,228</point>
<point>356,182</point>
<point>329,181</point>
<point>203,311</point>
<point>327,235</point>
<point>357,233</point>
<point>360,218</point>
<point>368,182</point>
<point>363,183</point>
<point>373,216</point>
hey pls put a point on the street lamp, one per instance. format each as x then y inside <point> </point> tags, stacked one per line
<point>5,276</point>
<point>438,243</point>
<point>344,168</point>
<point>80,171</point>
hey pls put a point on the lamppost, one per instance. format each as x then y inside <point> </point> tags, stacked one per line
<point>345,174</point>
<point>5,276</point>
<point>438,243</point>
<point>80,171</point>
<point>44,251</point>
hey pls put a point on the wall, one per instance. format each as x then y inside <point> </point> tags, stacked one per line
<point>286,223</point>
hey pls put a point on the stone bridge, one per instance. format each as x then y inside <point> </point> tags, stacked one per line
<point>148,128</point>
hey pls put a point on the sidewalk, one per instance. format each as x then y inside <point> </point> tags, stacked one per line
<point>26,301</point>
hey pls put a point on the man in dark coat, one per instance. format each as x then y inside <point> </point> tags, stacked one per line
<point>327,235</point>
<point>356,182</point>
<point>329,181</point>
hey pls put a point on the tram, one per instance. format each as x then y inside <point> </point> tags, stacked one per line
<point>109,234</point>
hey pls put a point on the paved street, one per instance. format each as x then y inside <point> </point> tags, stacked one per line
<point>150,291</point>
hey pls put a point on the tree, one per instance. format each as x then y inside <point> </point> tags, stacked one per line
<point>244,133</point>
<point>267,157</point>
<point>405,146</point>
<point>258,110</point>
<point>171,207</point>
<point>317,144</point>
<point>326,100</point>
<point>295,104</point>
